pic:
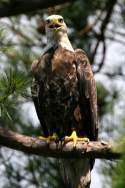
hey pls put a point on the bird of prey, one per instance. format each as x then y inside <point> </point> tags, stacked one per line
<point>64,94</point>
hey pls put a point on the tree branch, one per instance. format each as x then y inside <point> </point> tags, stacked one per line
<point>32,145</point>
<point>15,7</point>
<point>109,8</point>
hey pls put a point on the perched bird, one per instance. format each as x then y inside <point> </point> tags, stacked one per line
<point>64,94</point>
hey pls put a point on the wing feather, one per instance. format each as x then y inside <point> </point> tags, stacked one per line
<point>87,89</point>
<point>35,97</point>
<point>37,88</point>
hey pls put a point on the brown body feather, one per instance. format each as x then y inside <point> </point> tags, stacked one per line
<point>67,94</point>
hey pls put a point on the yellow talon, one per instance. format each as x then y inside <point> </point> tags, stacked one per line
<point>54,137</point>
<point>73,137</point>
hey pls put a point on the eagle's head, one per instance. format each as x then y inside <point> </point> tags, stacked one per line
<point>55,26</point>
<point>56,32</point>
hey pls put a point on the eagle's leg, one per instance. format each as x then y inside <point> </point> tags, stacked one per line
<point>73,137</point>
<point>49,139</point>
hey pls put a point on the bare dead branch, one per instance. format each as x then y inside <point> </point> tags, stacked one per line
<point>103,58</point>
<point>114,39</point>
<point>15,7</point>
<point>109,8</point>
<point>88,28</point>
<point>36,146</point>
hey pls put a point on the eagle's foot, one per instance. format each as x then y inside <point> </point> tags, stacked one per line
<point>49,139</point>
<point>73,137</point>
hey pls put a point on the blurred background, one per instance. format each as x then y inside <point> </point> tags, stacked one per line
<point>96,26</point>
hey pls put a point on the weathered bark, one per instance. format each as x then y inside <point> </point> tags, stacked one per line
<point>15,7</point>
<point>36,146</point>
<point>76,172</point>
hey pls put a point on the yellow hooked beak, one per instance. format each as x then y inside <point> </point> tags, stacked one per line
<point>55,24</point>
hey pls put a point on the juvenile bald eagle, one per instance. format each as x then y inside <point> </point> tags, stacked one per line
<point>64,95</point>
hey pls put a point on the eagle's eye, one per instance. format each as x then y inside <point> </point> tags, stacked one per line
<point>48,21</point>
<point>60,20</point>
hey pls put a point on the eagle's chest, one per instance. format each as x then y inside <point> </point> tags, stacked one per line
<point>60,90</point>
